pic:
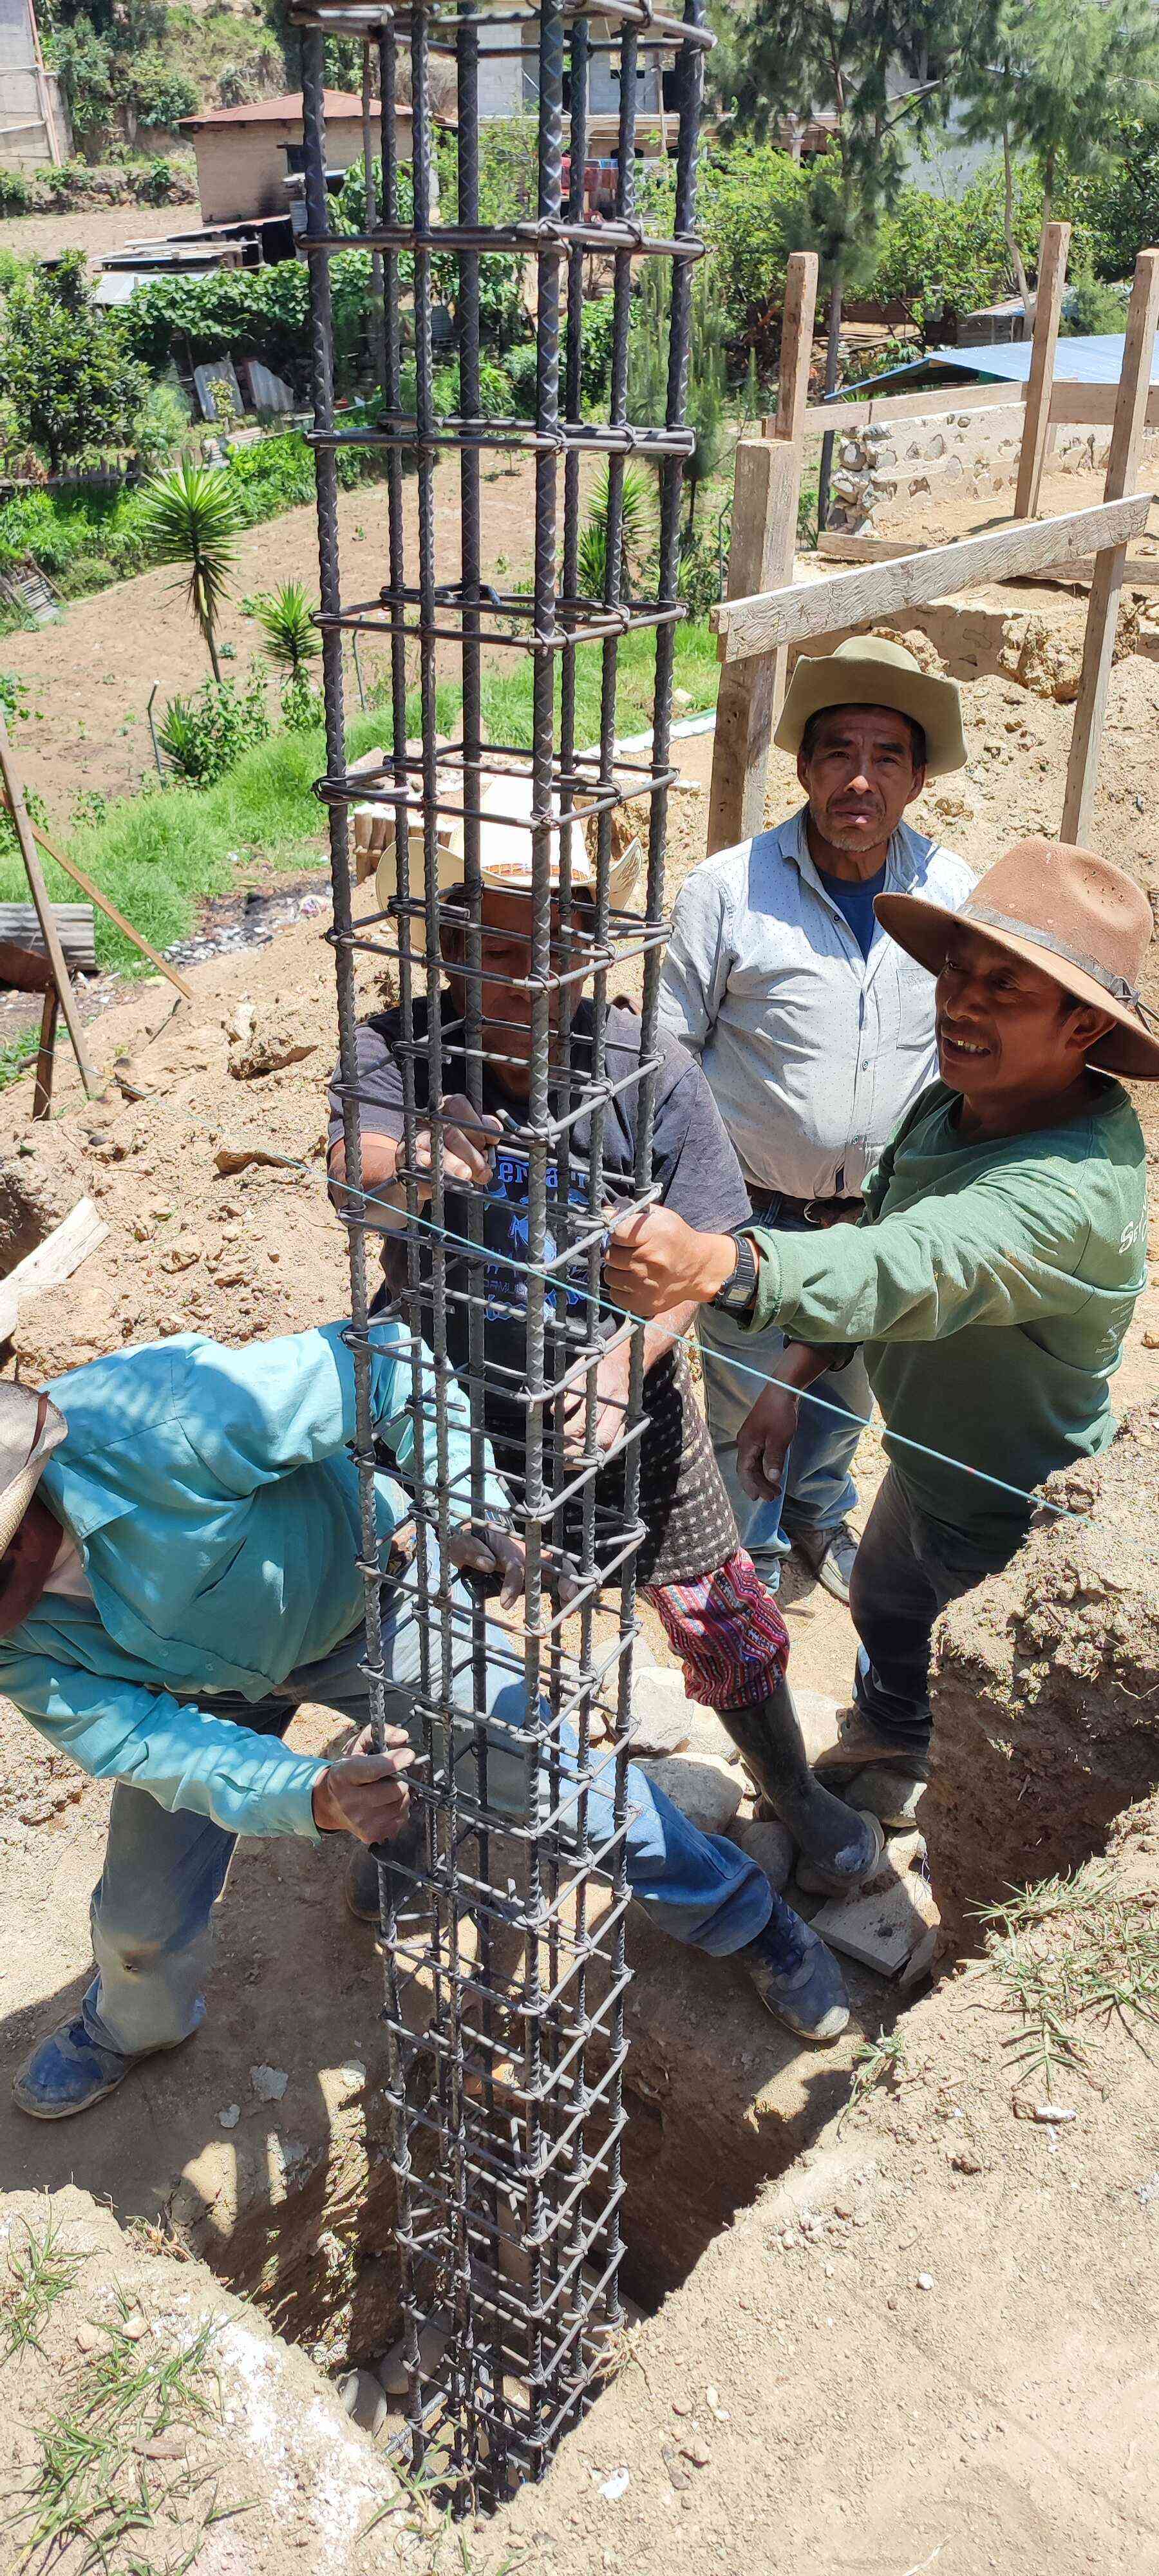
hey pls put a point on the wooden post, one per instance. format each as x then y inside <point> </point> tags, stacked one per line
<point>792,402</point>
<point>764,507</point>
<point>1082,777</point>
<point>1047,308</point>
<point>42,1092</point>
<point>14,793</point>
<point>764,544</point>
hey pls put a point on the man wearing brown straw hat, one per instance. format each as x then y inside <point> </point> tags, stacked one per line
<point>815,1031</point>
<point>990,1281</point>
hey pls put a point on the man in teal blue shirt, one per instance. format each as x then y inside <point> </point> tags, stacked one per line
<point>179,1571</point>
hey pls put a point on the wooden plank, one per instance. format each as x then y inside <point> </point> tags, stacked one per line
<point>42,1088</point>
<point>1082,777</point>
<point>1047,315</point>
<point>52,1263</point>
<point>14,794</point>
<point>764,525</point>
<point>881,409</point>
<point>850,599</point>
<point>1093,406</point>
<point>1140,572</point>
<point>792,400</point>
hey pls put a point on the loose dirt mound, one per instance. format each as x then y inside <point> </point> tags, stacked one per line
<point>1046,1704</point>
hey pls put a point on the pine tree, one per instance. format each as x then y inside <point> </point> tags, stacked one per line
<point>881,70</point>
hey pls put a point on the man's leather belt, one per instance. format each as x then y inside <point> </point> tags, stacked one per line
<point>775,1204</point>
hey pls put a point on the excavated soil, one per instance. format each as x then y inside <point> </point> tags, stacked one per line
<point>858,2422</point>
<point>1046,1701</point>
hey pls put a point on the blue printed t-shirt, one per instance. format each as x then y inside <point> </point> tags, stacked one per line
<point>694,1169</point>
<point>854,897</point>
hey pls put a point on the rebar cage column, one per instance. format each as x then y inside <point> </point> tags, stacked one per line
<point>504,1960</point>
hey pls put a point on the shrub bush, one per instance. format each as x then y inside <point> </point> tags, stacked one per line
<point>202,736</point>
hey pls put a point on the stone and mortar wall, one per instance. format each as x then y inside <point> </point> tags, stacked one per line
<point>1044,1689</point>
<point>880,470</point>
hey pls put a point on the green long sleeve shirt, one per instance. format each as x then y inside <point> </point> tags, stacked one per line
<point>991,1286</point>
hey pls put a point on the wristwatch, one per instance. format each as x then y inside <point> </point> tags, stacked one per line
<point>739,1289</point>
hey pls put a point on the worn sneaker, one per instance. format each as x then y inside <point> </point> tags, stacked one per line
<point>797,1978</point>
<point>830,1553</point>
<point>67,2072</point>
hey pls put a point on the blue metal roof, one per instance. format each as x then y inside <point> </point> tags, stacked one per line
<point>1094,360</point>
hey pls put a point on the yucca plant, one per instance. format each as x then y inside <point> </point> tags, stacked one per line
<point>637,532</point>
<point>193,517</point>
<point>290,638</point>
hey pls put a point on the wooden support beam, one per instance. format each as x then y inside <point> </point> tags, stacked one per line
<point>42,1088</point>
<point>764,523</point>
<point>52,1263</point>
<point>796,347</point>
<point>1140,572</point>
<point>881,409</point>
<point>1082,777</point>
<point>851,599</point>
<point>801,277</point>
<point>14,794</point>
<point>1047,312</point>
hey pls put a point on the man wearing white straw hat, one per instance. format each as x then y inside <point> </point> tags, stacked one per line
<point>718,1615</point>
<point>815,1030</point>
<point>991,1279</point>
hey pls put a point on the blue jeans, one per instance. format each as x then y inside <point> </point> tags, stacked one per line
<point>818,1492</point>
<point>906,1570</point>
<point>163,1873</point>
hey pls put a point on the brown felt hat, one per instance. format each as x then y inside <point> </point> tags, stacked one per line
<point>1068,912</point>
<point>873,671</point>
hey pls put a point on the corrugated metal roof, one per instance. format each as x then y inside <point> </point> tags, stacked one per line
<point>1094,360</point>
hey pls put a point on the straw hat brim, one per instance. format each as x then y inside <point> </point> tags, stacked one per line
<point>823,680</point>
<point>920,928</point>
<point>17,1495</point>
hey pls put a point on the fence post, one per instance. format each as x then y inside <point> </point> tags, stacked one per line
<point>1047,309</point>
<point>1082,777</point>
<point>764,519</point>
<point>762,554</point>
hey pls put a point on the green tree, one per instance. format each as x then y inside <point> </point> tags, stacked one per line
<point>65,367</point>
<point>1117,203</point>
<point>193,517</point>
<point>1058,78</point>
<point>290,638</point>
<point>880,69</point>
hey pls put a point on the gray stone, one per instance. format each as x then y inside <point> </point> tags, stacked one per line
<point>708,1793</point>
<point>769,1843</point>
<point>364,2401</point>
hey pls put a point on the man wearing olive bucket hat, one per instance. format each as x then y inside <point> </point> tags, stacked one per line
<point>990,1281</point>
<point>816,1031</point>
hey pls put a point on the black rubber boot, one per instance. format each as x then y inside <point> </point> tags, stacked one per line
<point>840,1843</point>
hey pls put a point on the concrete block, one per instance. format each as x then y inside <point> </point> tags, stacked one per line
<point>883,1927</point>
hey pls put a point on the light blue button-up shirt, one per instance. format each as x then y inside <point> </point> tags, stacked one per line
<point>813,1052</point>
<point>215,1505</point>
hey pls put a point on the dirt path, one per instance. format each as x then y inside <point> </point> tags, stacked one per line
<point>97,230</point>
